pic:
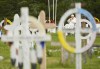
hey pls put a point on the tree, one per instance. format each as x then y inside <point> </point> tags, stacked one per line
<point>10,7</point>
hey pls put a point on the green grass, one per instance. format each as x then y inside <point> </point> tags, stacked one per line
<point>4,51</point>
<point>53,63</point>
<point>53,58</point>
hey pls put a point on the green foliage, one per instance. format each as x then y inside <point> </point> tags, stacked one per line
<point>9,7</point>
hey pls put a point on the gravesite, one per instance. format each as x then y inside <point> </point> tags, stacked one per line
<point>49,34</point>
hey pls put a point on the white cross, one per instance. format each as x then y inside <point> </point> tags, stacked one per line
<point>25,37</point>
<point>78,30</point>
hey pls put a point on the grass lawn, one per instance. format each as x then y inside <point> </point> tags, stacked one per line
<point>53,58</point>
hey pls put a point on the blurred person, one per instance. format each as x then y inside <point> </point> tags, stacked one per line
<point>71,23</point>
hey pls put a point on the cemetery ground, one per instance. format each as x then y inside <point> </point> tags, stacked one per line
<point>54,56</point>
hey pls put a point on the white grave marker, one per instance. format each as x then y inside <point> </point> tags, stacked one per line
<point>25,37</point>
<point>78,30</point>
